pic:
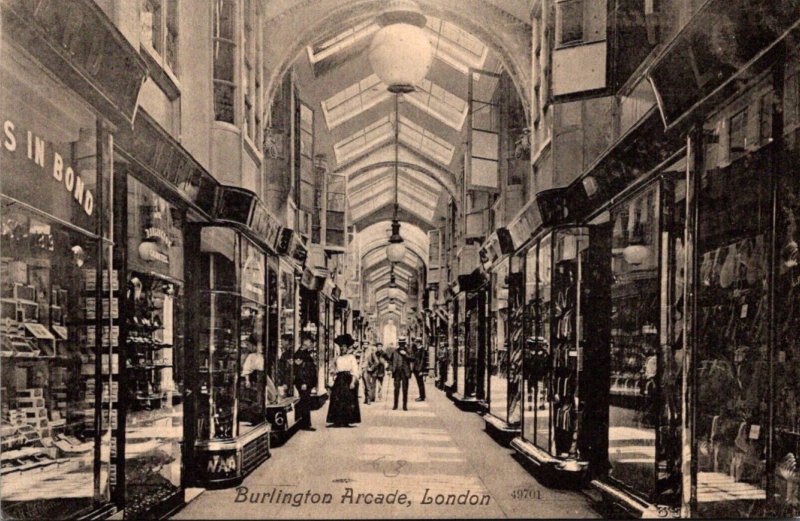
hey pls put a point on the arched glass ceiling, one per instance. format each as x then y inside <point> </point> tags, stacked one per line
<point>386,155</point>
<point>361,96</point>
<point>381,131</point>
<point>452,45</point>
<point>371,237</point>
<point>418,194</point>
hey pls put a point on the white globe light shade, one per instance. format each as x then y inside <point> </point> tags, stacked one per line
<point>401,55</point>
<point>396,251</point>
<point>636,254</point>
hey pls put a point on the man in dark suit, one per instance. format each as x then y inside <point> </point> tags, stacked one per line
<point>420,367</point>
<point>305,379</point>
<point>401,371</point>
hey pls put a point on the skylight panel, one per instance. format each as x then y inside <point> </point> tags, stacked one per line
<point>363,140</point>
<point>425,141</point>
<point>354,100</point>
<point>455,46</point>
<point>343,40</point>
<point>441,104</point>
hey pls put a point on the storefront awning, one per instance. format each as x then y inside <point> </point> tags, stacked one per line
<point>721,42</point>
<point>642,149</point>
<point>161,160</point>
<point>293,245</point>
<point>244,210</point>
<point>79,43</point>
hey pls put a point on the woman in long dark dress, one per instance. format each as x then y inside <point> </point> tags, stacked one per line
<point>343,408</point>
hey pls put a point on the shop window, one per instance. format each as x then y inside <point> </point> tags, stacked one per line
<point>224,41</point>
<point>786,444</point>
<point>732,346</point>
<point>765,119</point>
<point>252,331</point>
<point>738,134</point>
<point>160,31</point>
<point>153,360</point>
<point>252,73</point>
<point>570,21</point>
<point>634,349</point>
<point>50,368</point>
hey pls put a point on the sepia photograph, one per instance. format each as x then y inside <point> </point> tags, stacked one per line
<point>399,259</point>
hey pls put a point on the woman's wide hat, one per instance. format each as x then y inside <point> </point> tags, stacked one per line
<point>344,340</point>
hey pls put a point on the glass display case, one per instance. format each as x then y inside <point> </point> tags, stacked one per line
<point>231,426</point>
<point>281,408</point>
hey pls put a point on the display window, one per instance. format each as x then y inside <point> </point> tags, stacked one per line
<point>553,349</point>
<point>55,401</point>
<point>516,338</point>
<point>285,367</point>
<point>252,333</point>
<point>460,343</point>
<point>786,442</point>
<point>51,368</point>
<point>273,331</point>
<point>634,341</point>
<point>499,360</point>
<point>232,383</point>
<point>154,347</point>
<point>646,337</point>
<point>733,366</point>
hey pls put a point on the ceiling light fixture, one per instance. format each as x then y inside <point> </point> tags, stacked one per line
<point>401,56</point>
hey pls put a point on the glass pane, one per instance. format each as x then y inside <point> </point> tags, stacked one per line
<point>570,19</point>
<point>528,326</point>
<point>485,173</point>
<point>786,445</point>
<point>49,353</point>
<point>252,378</point>
<point>224,102</point>
<point>224,61</point>
<point>732,357</point>
<point>218,367</point>
<point>634,342</point>
<point>154,422</point>
<point>498,345</point>
<point>484,144</point>
<point>225,19</point>
<point>539,359</point>
<point>285,371</point>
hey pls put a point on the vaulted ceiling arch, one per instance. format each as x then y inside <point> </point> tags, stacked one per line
<point>293,24</point>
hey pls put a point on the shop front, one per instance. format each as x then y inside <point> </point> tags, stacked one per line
<point>230,314</point>
<point>702,368</point>
<point>552,342</point>
<point>503,369</point>
<point>60,295</point>
<point>470,391</point>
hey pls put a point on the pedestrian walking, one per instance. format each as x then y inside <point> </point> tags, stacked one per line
<point>401,372</point>
<point>343,407</point>
<point>419,367</point>
<point>305,380</point>
<point>378,370</point>
<point>366,374</point>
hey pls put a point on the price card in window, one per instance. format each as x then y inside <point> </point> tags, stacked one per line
<point>743,314</point>
<point>755,431</point>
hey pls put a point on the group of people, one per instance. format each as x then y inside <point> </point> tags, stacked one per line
<point>347,370</point>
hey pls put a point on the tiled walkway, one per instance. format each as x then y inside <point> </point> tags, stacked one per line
<point>432,451</point>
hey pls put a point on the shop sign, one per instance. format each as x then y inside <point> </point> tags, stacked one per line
<point>220,465</point>
<point>243,207</point>
<point>30,159</point>
<point>156,219</point>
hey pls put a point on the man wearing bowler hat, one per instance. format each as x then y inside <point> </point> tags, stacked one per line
<point>401,371</point>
